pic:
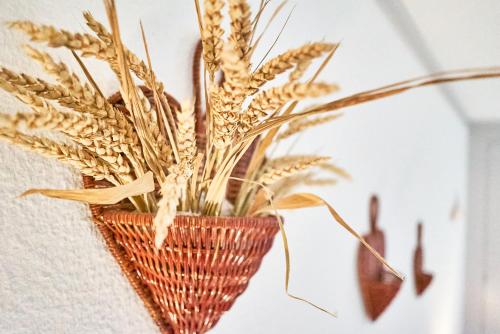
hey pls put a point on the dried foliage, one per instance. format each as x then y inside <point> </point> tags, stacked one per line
<point>143,132</point>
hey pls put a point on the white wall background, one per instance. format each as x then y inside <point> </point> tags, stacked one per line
<point>56,275</point>
<point>482,298</point>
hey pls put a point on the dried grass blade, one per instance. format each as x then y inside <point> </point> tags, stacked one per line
<point>305,200</point>
<point>275,14</point>
<point>277,38</point>
<point>366,96</point>
<point>104,196</point>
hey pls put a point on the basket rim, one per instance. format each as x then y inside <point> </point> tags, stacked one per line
<point>123,217</point>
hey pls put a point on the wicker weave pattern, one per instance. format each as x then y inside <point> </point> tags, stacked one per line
<point>204,265</point>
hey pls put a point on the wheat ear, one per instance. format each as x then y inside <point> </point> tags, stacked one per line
<point>172,190</point>
<point>212,35</point>
<point>87,163</point>
<point>226,101</point>
<point>88,45</point>
<point>186,133</point>
<point>268,101</point>
<point>98,134</point>
<point>241,26</point>
<point>61,73</point>
<point>301,125</point>
<point>330,167</point>
<point>116,133</point>
<point>299,70</point>
<point>278,170</point>
<point>286,61</point>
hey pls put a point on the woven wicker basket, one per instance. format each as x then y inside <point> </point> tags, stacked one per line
<point>203,266</point>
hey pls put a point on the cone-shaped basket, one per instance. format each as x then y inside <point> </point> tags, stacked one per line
<point>422,279</point>
<point>378,286</point>
<point>203,266</point>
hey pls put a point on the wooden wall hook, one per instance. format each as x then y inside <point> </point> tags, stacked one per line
<point>378,286</point>
<point>422,279</point>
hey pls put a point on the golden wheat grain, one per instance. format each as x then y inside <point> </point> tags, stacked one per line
<point>280,168</point>
<point>61,73</point>
<point>330,167</point>
<point>226,101</point>
<point>87,163</point>
<point>286,61</point>
<point>83,130</point>
<point>268,101</point>
<point>158,142</point>
<point>88,45</point>
<point>299,70</point>
<point>32,91</point>
<point>97,27</point>
<point>97,135</point>
<point>116,133</point>
<point>212,35</point>
<point>171,190</point>
<point>241,26</point>
<point>138,66</point>
<point>319,182</point>
<point>298,126</point>
<point>186,133</point>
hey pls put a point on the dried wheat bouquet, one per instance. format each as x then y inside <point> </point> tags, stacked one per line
<point>206,156</point>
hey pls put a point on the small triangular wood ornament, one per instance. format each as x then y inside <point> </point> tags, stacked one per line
<point>378,286</point>
<point>422,279</point>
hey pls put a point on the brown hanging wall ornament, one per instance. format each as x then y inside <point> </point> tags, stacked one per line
<point>378,286</point>
<point>422,279</point>
<point>204,264</point>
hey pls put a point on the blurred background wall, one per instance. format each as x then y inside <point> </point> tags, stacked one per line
<point>411,150</point>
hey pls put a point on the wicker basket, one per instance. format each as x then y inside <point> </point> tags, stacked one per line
<point>203,266</point>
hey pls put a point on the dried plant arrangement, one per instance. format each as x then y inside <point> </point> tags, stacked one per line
<point>186,194</point>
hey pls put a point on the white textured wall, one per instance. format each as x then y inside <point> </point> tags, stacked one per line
<point>482,298</point>
<point>56,276</point>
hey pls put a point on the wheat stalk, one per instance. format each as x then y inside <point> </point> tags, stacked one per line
<point>241,26</point>
<point>212,35</point>
<point>286,61</point>
<point>286,167</point>
<point>77,157</point>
